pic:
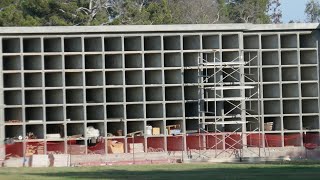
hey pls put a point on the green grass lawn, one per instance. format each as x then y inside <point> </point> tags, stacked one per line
<point>172,171</point>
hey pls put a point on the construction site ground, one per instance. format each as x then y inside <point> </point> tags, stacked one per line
<point>283,170</point>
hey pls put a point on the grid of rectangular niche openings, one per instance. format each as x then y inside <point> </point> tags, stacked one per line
<point>127,82</point>
<point>290,88</point>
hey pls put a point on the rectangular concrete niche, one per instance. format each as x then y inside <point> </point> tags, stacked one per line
<point>134,78</point>
<point>251,58</point>
<point>74,78</point>
<point>115,112</point>
<point>191,93</point>
<point>232,56</point>
<point>93,62</point>
<point>132,43</point>
<point>95,112</point>
<point>11,45</point>
<point>192,125</point>
<point>52,44</point>
<point>271,107</point>
<point>253,107</point>
<point>291,123</point>
<point>270,74</point>
<point>33,80</point>
<point>133,126</point>
<point>310,122</point>
<point>308,57</point>
<point>253,92</point>
<point>173,93</point>
<point>251,74</point>
<point>73,44</point>
<point>53,62</point>
<point>154,94</point>
<point>53,79</point>
<point>12,80</point>
<point>75,129</point>
<point>211,57</point>
<point>291,107</point>
<point>231,93</point>
<point>135,111</point>
<point>112,44</point>
<point>74,96</point>
<point>190,59</point>
<point>13,131</point>
<point>11,63</point>
<point>190,76</point>
<point>113,61</point>
<point>231,108</point>
<point>171,42</point>
<point>270,58</point>
<point>230,75</point>
<point>33,113</point>
<point>191,42</point>
<point>276,122</point>
<point>31,45</point>
<point>232,128</point>
<point>290,74</point>
<point>154,111</point>
<point>36,129</point>
<point>309,90</point>
<point>152,43</point>
<point>115,128</point>
<point>54,96</point>
<point>133,61</point>
<point>33,97</point>
<point>289,40</point>
<point>75,113</point>
<point>134,94</point>
<point>290,90</point>
<point>251,42</point>
<point>32,63</point>
<point>212,109</point>
<point>114,78</point>
<point>310,106</point>
<point>55,129</point>
<point>172,60</point>
<point>13,114</point>
<point>92,44</point>
<point>309,74</point>
<point>114,95</point>
<point>73,62</point>
<point>210,42</point>
<point>270,41</point>
<point>252,124</point>
<point>230,41</point>
<point>157,124</point>
<point>174,110</point>
<point>289,58</point>
<point>54,114</point>
<point>153,77</point>
<point>308,40</point>
<point>191,109</point>
<point>13,97</point>
<point>172,76</point>
<point>94,96</point>
<point>179,122</point>
<point>152,61</point>
<point>94,78</point>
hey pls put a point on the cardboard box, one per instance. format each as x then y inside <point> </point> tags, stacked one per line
<point>155,131</point>
<point>115,147</point>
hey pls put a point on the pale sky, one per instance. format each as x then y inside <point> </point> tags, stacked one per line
<point>293,10</point>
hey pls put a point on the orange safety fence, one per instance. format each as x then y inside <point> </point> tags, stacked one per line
<point>155,144</point>
<point>175,143</point>
<point>55,147</point>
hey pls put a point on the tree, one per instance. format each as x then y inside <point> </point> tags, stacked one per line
<point>276,13</point>
<point>312,11</point>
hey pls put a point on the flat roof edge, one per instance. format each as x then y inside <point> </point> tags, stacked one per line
<point>156,28</point>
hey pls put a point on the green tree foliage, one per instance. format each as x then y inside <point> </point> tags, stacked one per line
<point>114,12</point>
<point>312,11</point>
